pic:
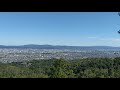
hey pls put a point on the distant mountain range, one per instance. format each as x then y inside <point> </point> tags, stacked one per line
<point>59,47</point>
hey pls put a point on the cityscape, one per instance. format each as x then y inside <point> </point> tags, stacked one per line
<point>8,55</point>
<point>59,45</point>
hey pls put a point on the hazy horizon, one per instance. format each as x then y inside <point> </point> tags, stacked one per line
<point>60,28</point>
<point>63,45</point>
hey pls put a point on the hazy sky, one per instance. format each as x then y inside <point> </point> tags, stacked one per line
<point>60,28</point>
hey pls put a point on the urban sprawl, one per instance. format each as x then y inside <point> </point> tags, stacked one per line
<point>19,55</point>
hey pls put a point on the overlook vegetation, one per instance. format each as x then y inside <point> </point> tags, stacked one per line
<point>60,68</point>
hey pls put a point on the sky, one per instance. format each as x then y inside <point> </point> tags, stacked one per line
<point>60,28</point>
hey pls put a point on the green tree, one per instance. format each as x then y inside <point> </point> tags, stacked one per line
<point>61,69</point>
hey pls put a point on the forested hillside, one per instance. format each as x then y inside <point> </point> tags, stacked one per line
<point>60,68</point>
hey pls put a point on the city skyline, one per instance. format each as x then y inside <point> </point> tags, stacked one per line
<point>60,28</point>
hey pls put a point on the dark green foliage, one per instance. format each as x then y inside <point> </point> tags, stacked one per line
<point>60,68</point>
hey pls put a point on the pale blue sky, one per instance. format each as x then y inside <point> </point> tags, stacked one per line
<point>60,28</point>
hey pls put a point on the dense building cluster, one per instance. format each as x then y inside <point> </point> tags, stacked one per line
<point>19,54</point>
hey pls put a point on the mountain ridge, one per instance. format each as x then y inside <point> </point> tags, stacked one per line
<point>47,46</point>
